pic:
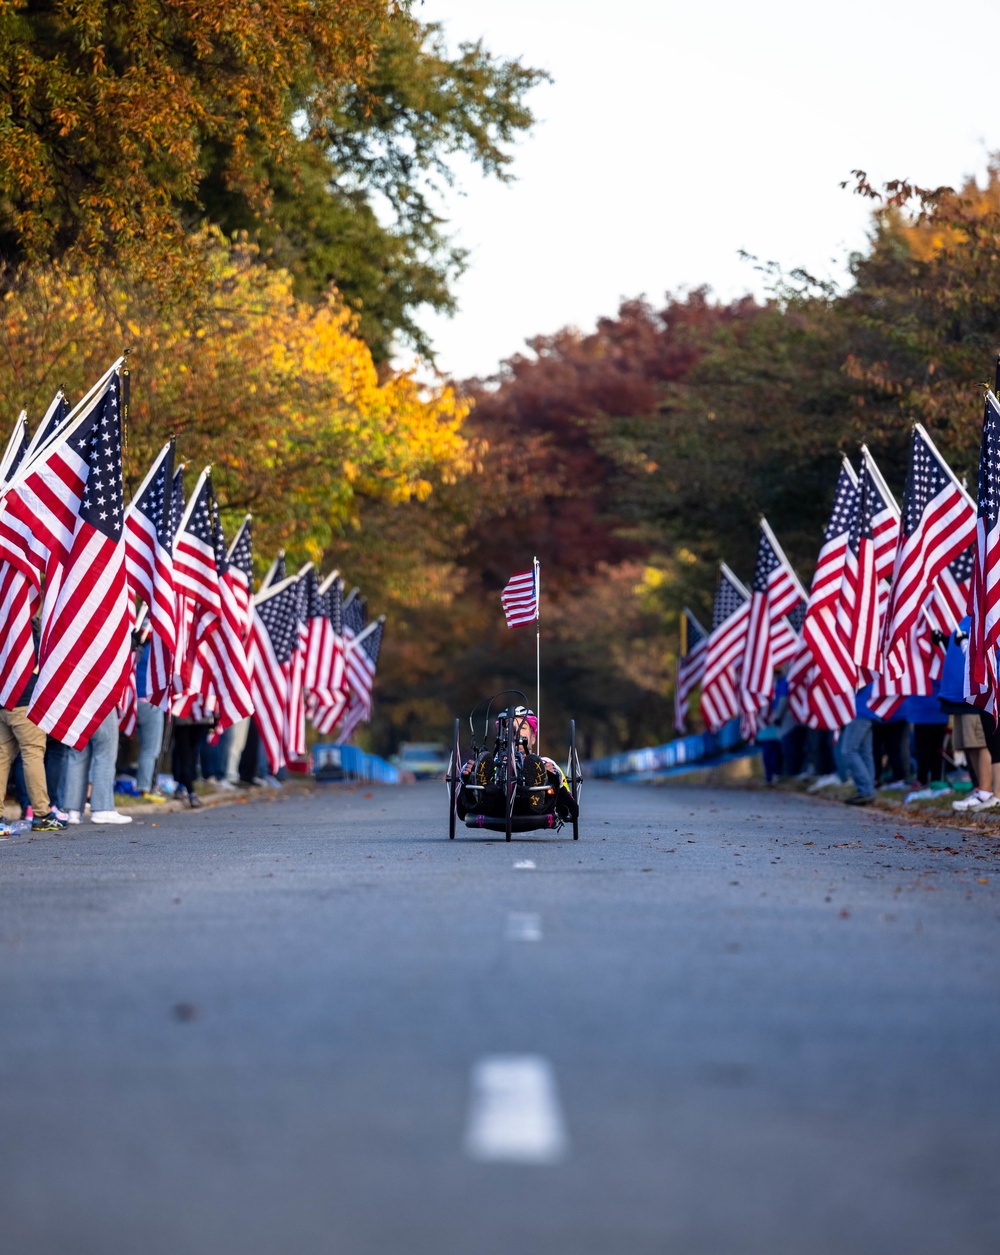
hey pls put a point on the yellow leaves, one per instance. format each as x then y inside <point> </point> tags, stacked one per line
<point>279,394</point>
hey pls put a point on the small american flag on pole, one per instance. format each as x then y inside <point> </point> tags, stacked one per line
<point>984,631</point>
<point>520,598</point>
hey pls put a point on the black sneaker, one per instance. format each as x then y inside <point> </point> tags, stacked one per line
<point>194,801</point>
<point>861,799</point>
<point>48,823</point>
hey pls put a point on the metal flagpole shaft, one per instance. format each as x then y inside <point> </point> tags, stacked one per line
<point>538,659</point>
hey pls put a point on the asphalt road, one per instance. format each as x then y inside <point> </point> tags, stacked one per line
<point>721,1022</point>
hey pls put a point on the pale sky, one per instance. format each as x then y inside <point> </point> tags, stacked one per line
<point>676,134</point>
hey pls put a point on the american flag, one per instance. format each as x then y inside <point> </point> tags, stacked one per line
<point>520,597</point>
<point>690,666</point>
<point>240,558</point>
<point>984,631</point>
<point>224,652</point>
<point>199,598</point>
<point>362,660</point>
<point>947,605</point>
<point>871,549</point>
<point>273,636</point>
<point>86,645</point>
<point>827,646</point>
<point>775,591</point>
<point>329,699</point>
<point>810,697</point>
<point>196,572</point>
<point>52,421</point>
<point>18,595</point>
<point>275,572</point>
<point>726,643</point>
<point>295,701</point>
<point>938,523</point>
<point>149,565</point>
<point>17,447</point>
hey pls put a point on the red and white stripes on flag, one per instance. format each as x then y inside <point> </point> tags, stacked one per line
<point>196,587</point>
<point>328,694</point>
<point>690,666</point>
<point>86,642</point>
<point>775,591</point>
<point>726,643</point>
<point>820,631</point>
<point>870,555</point>
<point>362,659</point>
<point>984,631</point>
<point>938,523</point>
<point>149,565</point>
<point>520,597</point>
<point>223,650</point>
<point>20,600</point>
<point>272,637</point>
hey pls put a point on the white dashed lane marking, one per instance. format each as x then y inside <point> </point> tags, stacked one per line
<point>523,926</point>
<point>525,865</point>
<point>514,1115</point>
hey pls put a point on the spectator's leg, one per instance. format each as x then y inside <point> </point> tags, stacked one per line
<point>897,744</point>
<point>825,763</point>
<point>237,741</point>
<point>77,774</point>
<point>31,739</point>
<point>771,754</point>
<point>55,771</point>
<point>184,756</point>
<point>857,740</point>
<point>251,749</point>
<point>20,786</point>
<point>8,752</point>
<point>150,726</point>
<point>103,759</point>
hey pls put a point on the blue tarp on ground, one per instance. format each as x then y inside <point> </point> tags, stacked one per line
<point>685,751</point>
<point>347,762</point>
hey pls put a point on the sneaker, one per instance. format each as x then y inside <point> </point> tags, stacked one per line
<point>154,797</point>
<point>824,782</point>
<point>72,817</point>
<point>48,823</point>
<point>861,799</point>
<point>194,801</point>
<point>28,813</point>
<point>110,817</point>
<point>226,785</point>
<point>59,812</point>
<point>976,801</point>
<point>896,784</point>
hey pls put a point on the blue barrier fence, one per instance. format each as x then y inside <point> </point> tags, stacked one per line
<point>685,751</point>
<point>346,762</point>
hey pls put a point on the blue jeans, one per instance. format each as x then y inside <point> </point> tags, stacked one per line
<point>96,762</point>
<point>856,747</point>
<point>150,726</point>
<point>56,757</point>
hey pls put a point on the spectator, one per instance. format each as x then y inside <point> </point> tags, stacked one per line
<point>970,733</point>
<point>891,746</point>
<point>18,732</point>
<point>149,720</point>
<point>856,742</point>
<point>189,734</point>
<point>930,726</point>
<point>96,763</point>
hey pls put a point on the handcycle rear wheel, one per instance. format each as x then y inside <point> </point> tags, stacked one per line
<point>575,777</point>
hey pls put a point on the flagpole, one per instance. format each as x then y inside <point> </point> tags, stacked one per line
<point>538,657</point>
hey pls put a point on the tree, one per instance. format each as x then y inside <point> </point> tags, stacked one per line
<point>123,126</point>
<point>278,394</point>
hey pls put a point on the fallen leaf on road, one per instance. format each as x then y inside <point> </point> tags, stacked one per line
<point>983,880</point>
<point>845,914</point>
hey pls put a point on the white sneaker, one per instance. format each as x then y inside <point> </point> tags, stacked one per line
<point>976,801</point>
<point>110,817</point>
<point>227,785</point>
<point>72,817</point>
<point>824,782</point>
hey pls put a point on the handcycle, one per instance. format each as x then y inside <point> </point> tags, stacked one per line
<point>499,785</point>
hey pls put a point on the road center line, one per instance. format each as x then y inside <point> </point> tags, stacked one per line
<point>524,864</point>
<point>523,926</point>
<point>514,1115</point>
